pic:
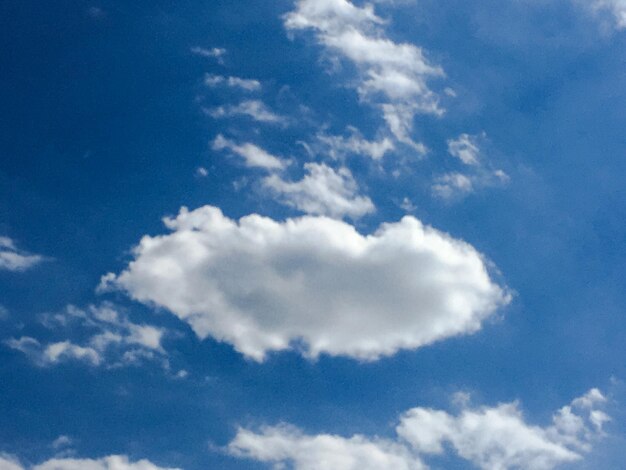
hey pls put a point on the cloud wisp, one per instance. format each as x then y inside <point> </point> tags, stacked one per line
<point>313,283</point>
<point>14,259</point>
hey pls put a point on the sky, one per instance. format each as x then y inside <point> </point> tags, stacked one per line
<point>312,234</point>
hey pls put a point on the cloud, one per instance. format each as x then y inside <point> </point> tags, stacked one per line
<point>491,438</point>
<point>113,462</point>
<point>233,82</point>
<point>339,146</point>
<point>213,53</point>
<point>322,191</point>
<point>616,8</point>
<point>465,148</point>
<point>13,259</point>
<point>391,75</point>
<point>476,173</point>
<point>264,285</point>
<point>253,156</point>
<point>254,109</point>
<point>111,336</point>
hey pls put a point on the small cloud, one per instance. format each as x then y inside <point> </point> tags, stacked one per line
<point>202,172</point>
<point>254,157</point>
<point>246,84</point>
<point>254,109</point>
<point>13,259</point>
<point>217,53</point>
<point>62,441</point>
<point>465,148</point>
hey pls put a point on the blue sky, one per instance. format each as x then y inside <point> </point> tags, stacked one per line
<point>312,234</point>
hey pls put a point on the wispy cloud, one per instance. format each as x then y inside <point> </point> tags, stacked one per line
<point>253,156</point>
<point>255,109</point>
<point>13,259</point>
<point>217,53</point>
<point>233,82</point>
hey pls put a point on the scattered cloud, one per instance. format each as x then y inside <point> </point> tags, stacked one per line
<point>113,462</point>
<point>255,109</point>
<point>339,146</point>
<point>202,172</point>
<point>253,156</point>
<point>322,191</point>
<point>491,438</point>
<point>233,82</point>
<point>264,285</point>
<point>113,338</point>
<point>217,53</point>
<point>477,172</point>
<point>392,76</point>
<point>465,148</point>
<point>13,259</point>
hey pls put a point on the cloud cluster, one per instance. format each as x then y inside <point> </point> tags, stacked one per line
<point>477,172</point>
<point>112,336</point>
<point>392,76</point>
<point>13,259</point>
<point>264,285</point>
<point>113,462</point>
<point>491,438</point>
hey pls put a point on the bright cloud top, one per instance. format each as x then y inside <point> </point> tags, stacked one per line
<point>391,75</point>
<point>13,259</point>
<point>492,438</point>
<point>112,336</point>
<point>322,191</point>
<point>113,462</point>
<point>263,285</point>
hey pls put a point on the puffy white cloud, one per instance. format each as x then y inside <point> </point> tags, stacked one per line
<point>263,285</point>
<point>253,156</point>
<point>322,191</point>
<point>491,438</point>
<point>113,462</point>
<point>283,444</point>
<point>254,109</point>
<point>111,333</point>
<point>391,75</point>
<point>233,82</point>
<point>13,259</point>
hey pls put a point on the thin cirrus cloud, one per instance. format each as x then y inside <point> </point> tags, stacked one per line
<point>392,76</point>
<point>14,259</point>
<point>246,84</point>
<point>312,283</point>
<point>491,438</point>
<point>112,462</point>
<point>114,339</point>
<point>322,191</point>
<point>254,109</point>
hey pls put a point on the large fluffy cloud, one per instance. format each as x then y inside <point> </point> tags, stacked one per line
<point>113,462</point>
<point>492,438</point>
<point>391,75</point>
<point>263,285</point>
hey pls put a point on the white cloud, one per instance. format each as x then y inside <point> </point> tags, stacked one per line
<point>339,146</point>
<point>391,75</point>
<point>322,191</point>
<point>213,53</point>
<point>233,82</point>
<point>113,462</point>
<point>111,333</point>
<point>261,284</point>
<point>491,438</point>
<point>616,8</point>
<point>254,109</point>
<point>452,185</point>
<point>283,444</point>
<point>13,259</point>
<point>253,156</point>
<point>465,148</point>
